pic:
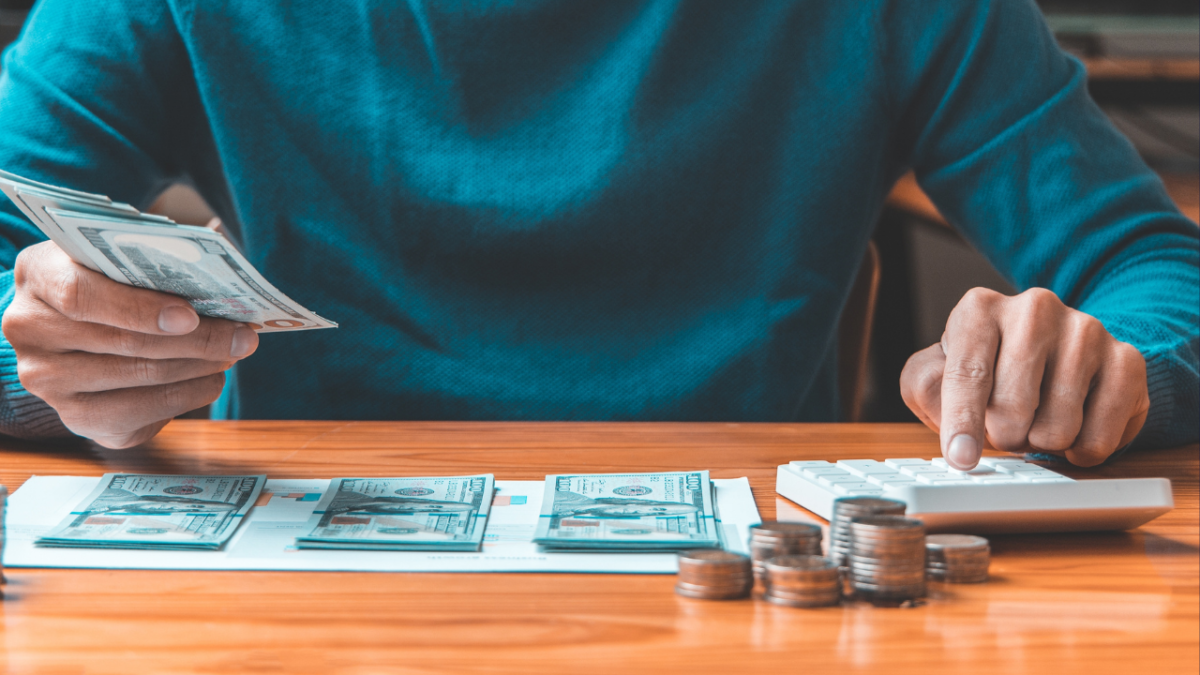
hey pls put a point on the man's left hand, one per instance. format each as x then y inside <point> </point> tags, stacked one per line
<point>1027,374</point>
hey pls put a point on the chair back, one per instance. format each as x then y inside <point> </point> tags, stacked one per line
<point>854,336</point>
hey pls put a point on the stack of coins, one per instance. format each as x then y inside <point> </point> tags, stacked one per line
<point>774,538</point>
<point>887,558</point>
<point>847,509</point>
<point>801,581</point>
<point>957,558</point>
<point>714,574</point>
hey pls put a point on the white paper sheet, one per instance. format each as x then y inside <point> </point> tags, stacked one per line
<point>266,540</point>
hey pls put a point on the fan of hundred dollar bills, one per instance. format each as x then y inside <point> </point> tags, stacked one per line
<point>630,512</point>
<point>148,251</point>
<point>150,511</point>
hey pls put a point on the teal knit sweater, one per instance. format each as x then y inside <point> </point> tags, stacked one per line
<point>586,209</point>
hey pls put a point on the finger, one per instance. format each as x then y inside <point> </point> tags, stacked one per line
<point>49,376</point>
<point>971,341</point>
<point>44,330</point>
<point>1115,409</point>
<point>83,295</point>
<point>921,384</point>
<point>138,437</point>
<point>123,413</point>
<point>1070,373</point>
<point>1029,330</point>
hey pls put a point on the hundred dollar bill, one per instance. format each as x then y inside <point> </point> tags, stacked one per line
<point>402,514</point>
<point>154,252</point>
<point>158,512</point>
<point>628,512</point>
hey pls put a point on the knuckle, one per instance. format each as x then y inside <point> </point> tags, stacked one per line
<point>1040,299</point>
<point>1007,432</point>
<point>68,293</point>
<point>217,338</point>
<point>981,296</point>
<point>1090,453</point>
<point>1128,360</point>
<point>1010,410</point>
<point>130,343</point>
<point>1050,438</point>
<point>928,382</point>
<point>36,376</point>
<point>15,323</point>
<point>23,265</point>
<point>140,371</point>
<point>1088,330</point>
<point>968,371</point>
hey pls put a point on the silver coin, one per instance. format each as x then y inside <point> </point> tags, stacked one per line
<point>874,504</point>
<point>956,541</point>
<point>776,528</point>
<point>711,556</point>
<point>822,595</point>
<point>705,595</point>
<point>715,578</point>
<point>786,602</point>
<point>713,587</point>
<point>799,562</point>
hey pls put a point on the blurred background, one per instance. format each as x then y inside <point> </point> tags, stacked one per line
<point>1143,61</point>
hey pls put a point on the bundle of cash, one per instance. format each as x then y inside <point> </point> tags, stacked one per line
<point>633,512</point>
<point>402,514</point>
<point>148,251</point>
<point>185,513</point>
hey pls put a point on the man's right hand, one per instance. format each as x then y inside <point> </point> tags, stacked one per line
<point>116,362</point>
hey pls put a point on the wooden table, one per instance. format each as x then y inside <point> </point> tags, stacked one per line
<point>1120,602</point>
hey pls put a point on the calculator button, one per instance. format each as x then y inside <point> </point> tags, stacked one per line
<point>918,470</point>
<point>833,479</point>
<point>857,489</point>
<point>993,478</point>
<point>910,461</point>
<point>1038,475</point>
<point>807,464</point>
<point>815,472</point>
<point>936,478</point>
<point>977,471</point>
<point>866,467</point>
<point>891,479</point>
<point>1002,461</point>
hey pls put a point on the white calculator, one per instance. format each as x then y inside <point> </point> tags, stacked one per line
<point>1000,495</point>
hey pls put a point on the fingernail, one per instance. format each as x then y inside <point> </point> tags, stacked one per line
<point>177,319</point>
<point>244,342</point>
<point>963,452</point>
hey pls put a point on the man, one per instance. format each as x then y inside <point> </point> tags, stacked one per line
<point>646,209</point>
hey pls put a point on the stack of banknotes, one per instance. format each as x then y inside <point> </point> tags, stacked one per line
<point>183,513</point>
<point>402,514</point>
<point>634,512</point>
<point>149,251</point>
<point>629,512</point>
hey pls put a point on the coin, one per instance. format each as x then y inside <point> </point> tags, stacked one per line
<point>713,595</point>
<point>957,558</point>
<point>848,508</point>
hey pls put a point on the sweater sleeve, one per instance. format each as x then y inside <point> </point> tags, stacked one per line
<point>997,123</point>
<point>93,96</point>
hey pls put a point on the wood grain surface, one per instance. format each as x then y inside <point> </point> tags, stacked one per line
<point>1115,602</point>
